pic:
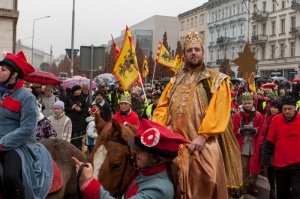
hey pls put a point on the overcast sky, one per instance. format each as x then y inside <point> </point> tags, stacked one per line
<point>95,20</point>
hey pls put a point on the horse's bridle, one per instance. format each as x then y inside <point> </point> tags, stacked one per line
<point>119,192</point>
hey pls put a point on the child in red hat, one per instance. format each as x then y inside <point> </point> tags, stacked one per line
<point>156,147</point>
<point>18,120</point>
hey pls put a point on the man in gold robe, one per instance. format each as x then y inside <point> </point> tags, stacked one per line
<point>196,103</point>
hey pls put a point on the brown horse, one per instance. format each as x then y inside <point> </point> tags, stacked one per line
<point>111,156</point>
<point>61,151</point>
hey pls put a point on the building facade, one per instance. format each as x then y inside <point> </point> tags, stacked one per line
<point>9,15</point>
<point>275,36</point>
<point>228,31</point>
<point>150,32</point>
<point>194,19</point>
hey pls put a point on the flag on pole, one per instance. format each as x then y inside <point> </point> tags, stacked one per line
<point>126,67</point>
<point>145,71</point>
<point>164,57</point>
<point>251,83</point>
<point>179,60</point>
<point>116,49</point>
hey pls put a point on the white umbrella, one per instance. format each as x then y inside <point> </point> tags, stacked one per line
<point>78,80</point>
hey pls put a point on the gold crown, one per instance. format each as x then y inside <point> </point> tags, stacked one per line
<point>125,98</point>
<point>193,37</point>
<point>247,97</point>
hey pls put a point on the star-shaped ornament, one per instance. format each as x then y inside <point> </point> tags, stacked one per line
<point>246,61</point>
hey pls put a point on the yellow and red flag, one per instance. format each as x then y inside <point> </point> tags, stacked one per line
<point>251,83</point>
<point>126,67</point>
<point>145,71</point>
<point>179,62</point>
<point>164,57</point>
<point>116,49</point>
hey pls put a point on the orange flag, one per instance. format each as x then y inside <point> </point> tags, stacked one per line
<point>251,83</point>
<point>164,57</point>
<point>116,49</point>
<point>126,67</point>
<point>179,62</point>
<point>145,67</point>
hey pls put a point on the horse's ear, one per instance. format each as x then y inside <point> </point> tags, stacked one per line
<point>99,123</point>
<point>117,128</point>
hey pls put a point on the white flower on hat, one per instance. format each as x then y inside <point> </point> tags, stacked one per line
<point>150,137</point>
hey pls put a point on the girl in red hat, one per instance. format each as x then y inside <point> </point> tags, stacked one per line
<point>27,171</point>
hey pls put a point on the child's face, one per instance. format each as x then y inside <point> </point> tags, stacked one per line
<point>57,110</point>
<point>142,158</point>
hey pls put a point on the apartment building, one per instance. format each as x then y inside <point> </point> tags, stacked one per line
<point>8,22</point>
<point>194,19</point>
<point>275,36</point>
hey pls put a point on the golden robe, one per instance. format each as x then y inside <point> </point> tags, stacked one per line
<point>196,102</point>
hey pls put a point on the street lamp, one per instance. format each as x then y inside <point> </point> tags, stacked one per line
<point>33,37</point>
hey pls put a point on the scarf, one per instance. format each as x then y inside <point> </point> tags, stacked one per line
<point>247,117</point>
<point>124,113</point>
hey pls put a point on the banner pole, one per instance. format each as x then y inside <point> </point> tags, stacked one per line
<point>153,75</point>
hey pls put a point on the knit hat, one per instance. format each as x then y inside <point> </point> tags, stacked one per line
<point>19,63</point>
<point>276,103</point>
<point>288,101</point>
<point>75,88</point>
<point>60,104</point>
<point>247,97</point>
<point>270,95</point>
<point>125,98</point>
<point>157,139</point>
<point>99,92</point>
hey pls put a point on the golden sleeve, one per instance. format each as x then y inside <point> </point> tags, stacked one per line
<point>217,113</point>
<point>160,113</point>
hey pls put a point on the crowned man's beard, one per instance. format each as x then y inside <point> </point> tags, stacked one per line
<point>192,65</point>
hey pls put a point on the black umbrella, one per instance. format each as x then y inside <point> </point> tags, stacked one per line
<point>262,80</point>
<point>233,81</point>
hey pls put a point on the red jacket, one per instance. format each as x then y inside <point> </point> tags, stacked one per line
<point>257,124</point>
<point>286,137</point>
<point>131,118</point>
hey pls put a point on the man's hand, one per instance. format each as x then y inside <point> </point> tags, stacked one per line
<point>87,172</point>
<point>197,144</point>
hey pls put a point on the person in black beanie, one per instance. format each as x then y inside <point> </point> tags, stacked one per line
<point>76,109</point>
<point>282,146</point>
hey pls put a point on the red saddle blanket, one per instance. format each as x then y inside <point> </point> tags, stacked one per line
<point>57,181</point>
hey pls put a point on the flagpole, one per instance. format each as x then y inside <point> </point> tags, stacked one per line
<point>145,97</point>
<point>153,75</point>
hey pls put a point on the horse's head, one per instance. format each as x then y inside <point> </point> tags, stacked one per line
<point>111,154</point>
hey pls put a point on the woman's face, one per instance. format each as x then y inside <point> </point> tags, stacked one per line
<point>4,73</point>
<point>142,158</point>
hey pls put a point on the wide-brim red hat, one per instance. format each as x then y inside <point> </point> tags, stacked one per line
<point>157,139</point>
<point>19,63</point>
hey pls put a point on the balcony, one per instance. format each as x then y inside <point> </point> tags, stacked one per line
<point>296,5</point>
<point>223,40</point>
<point>295,31</point>
<point>260,15</point>
<point>259,39</point>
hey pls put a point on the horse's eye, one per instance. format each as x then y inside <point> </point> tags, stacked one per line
<point>115,166</point>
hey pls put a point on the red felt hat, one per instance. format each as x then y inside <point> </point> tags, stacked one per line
<point>19,63</point>
<point>157,139</point>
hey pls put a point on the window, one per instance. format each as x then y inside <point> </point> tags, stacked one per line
<point>187,24</point>
<point>264,6</point>
<point>225,52</point>
<point>212,16</point>
<point>212,36</point>
<point>233,31</point>
<point>272,51</point>
<point>283,3</point>
<point>216,16</point>
<point>263,49</point>
<point>232,53</point>
<point>274,5</point>
<point>238,9</point>
<point>225,32</point>
<point>218,55</point>
<point>234,10</point>
<point>220,14</point>
<point>241,49</point>
<point>192,22</point>
<point>273,27</point>
<point>195,21</point>
<point>282,47</point>
<point>293,49</point>
<point>254,30</point>
<point>182,25</point>
<point>293,22</point>
<point>264,29</point>
<point>226,12</point>
<point>211,55</point>
<point>202,18</point>
<point>241,29</point>
<point>282,25</point>
<point>243,7</point>
<point>219,33</point>
<point>230,12</point>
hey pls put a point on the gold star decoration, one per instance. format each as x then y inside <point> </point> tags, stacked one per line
<point>246,62</point>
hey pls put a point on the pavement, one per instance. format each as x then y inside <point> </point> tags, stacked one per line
<point>263,188</point>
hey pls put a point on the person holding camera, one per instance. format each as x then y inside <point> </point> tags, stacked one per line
<point>76,109</point>
<point>247,123</point>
